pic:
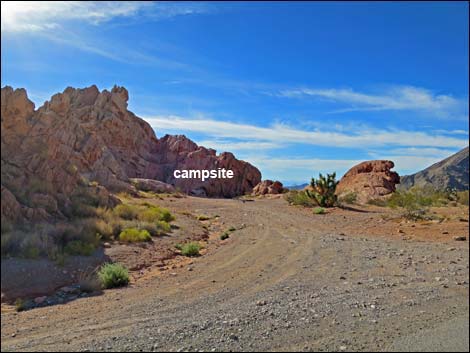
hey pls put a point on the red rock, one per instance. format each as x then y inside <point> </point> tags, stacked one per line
<point>87,139</point>
<point>268,187</point>
<point>369,180</point>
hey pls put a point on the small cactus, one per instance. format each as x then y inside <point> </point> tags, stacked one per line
<point>323,190</point>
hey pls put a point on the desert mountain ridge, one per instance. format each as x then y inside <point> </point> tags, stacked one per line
<point>450,173</point>
<point>86,141</point>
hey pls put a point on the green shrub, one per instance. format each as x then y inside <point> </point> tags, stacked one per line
<point>299,198</point>
<point>79,248</point>
<point>191,249</point>
<point>164,226</point>
<point>132,235</point>
<point>178,246</point>
<point>319,210</point>
<point>151,214</point>
<point>224,236</point>
<point>323,190</point>
<point>113,275</point>
<point>203,218</point>
<point>106,230</point>
<point>232,229</point>
<point>166,216</point>
<point>349,198</point>
<point>126,211</point>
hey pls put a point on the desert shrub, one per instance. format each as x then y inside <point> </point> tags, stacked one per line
<point>154,214</point>
<point>299,198</point>
<point>417,197</point>
<point>79,248</point>
<point>203,218</point>
<point>164,226</point>
<point>232,229</point>
<point>113,275</point>
<point>20,305</point>
<point>349,198</point>
<point>178,246</point>
<point>224,236</point>
<point>89,282</point>
<point>377,202</point>
<point>126,211</point>
<point>323,190</point>
<point>151,214</point>
<point>132,235</point>
<point>462,197</point>
<point>166,216</point>
<point>190,249</point>
<point>106,230</point>
<point>319,210</point>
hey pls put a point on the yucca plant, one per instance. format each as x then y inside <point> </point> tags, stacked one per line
<point>323,190</point>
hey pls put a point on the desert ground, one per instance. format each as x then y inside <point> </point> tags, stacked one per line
<point>354,279</point>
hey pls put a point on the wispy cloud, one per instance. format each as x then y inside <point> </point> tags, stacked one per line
<point>38,16</point>
<point>51,20</point>
<point>407,98</point>
<point>236,146</point>
<point>283,133</point>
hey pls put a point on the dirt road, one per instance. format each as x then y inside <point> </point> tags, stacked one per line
<point>285,280</point>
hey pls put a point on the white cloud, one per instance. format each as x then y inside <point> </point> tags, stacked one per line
<point>39,16</point>
<point>279,133</point>
<point>36,16</point>
<point>395,98</point>
<point>231,146</point>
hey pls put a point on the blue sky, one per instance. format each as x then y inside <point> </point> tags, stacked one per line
<point>294,88</point>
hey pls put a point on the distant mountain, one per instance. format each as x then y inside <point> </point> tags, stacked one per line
<point>296,187</point>
<point>452,172</point>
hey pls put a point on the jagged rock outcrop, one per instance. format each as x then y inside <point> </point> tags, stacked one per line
<point>84,138</point>
<point>268,187</point>
<point>369,180</point>
<point>450,173</point>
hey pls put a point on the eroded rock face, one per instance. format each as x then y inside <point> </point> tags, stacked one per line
<point>152,185</point>
<point>84,137</point>
<point>268,187</point>
<point>369,180</point>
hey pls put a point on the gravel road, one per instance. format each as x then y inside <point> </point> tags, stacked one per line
<point>285,280</point>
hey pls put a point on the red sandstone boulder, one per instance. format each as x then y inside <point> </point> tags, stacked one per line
<point>268,187</point>
<point>369,180</point>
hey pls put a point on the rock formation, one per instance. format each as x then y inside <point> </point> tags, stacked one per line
<point>84,138</point>
<point>268,187</point>
<point>450,173</point>
<point>369,180</point>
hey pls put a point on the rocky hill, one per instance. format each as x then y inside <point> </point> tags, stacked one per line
<point>84,143</point>
<point>452,172</point>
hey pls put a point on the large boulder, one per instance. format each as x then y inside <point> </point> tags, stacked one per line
<point>369,180</point>
<point>84,138</point>
<point>268,187</point>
